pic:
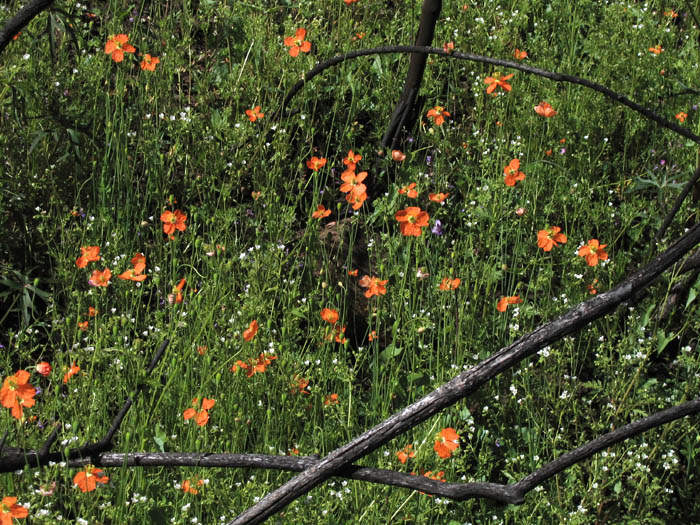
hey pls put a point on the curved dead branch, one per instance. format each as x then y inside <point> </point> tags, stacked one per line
<point>512,494</point>
<point>467,382</point>
<point>558,77</point>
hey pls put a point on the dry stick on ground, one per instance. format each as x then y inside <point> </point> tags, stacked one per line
<point>558,77</point>
<point>467,382</point>
<point>20,20</point>
<point>17,459</point>
<point>513,493</point>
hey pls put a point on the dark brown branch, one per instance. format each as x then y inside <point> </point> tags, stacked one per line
<point>467,382</point>
<point>20,20</point>
<point>513,493</point>
<point>17,459</point>
<point>558,77</point>
<point>405,113</point>
<point>677,205</point>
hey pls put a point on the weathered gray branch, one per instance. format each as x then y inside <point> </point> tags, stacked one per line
<point>467,382</point>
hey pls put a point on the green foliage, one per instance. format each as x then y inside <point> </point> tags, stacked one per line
<point>94,151</point>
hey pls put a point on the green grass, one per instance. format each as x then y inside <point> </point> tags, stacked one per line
<point>93,151</point>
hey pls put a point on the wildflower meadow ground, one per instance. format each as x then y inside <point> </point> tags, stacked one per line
<point>311,282</point>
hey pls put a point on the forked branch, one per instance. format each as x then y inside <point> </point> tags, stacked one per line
<point>467,382</point>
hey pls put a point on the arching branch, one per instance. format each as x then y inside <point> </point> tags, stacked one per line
<point>558,77</point>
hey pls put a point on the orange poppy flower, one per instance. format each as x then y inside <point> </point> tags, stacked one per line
<point>18,35</point>
<point>504,302</point>
<point>671,13</point>
<point>353,273</point>
<point>240,365</point>
<point>189,484</point>
<point>545,109</point>
<point>9,509</point>
<point>173,221</point>
<point>398,155</point>
<point>329,315</point>
<point>16,393</point>
<point>405,454</point>
<point>259,365</point>
<point>320,212</point>
<point>299,385</point>
<point>438,197</point>
<point>450,284</point>
<point>176,295</point>
<point>83,325</point>
<point>250,332</point>
<point>100,278</point>
<point>372,335</point>
<point>117,46</point>
<point>87,254</point>
<point>88,478</point>
<point>448,47</point>
<point>315,163</point>
<point>132,275</point>
<point>74,369</point>
<point>331,399</point>
<point>149,63</point>
<point>138,259</point>
<point>352,159</point>
<point>519,55</point>
<point>348,2</point>
<point>438,114</point>
<point>411,220</point>
<point>657,50</point>
<point>409,191</point>
<point>339,335</point>
<point>497,80</point>
<point>592,287</point>
<point>438,476</point>
<point>43,368</point>
<point>356,200</point>
<point>373,284</point>
<point>352,182</point>
<point>297,43</point>
<point>447,442</point>
<point>681,116</point>
<point>549,238</point>
<point>593,252</point>
<point>513,173</point>
<point>254,114</point>
<point>201,417</point>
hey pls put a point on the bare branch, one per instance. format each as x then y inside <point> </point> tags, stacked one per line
<point>21,19</point>
<point>558,77</point>
<point>16,459</point>
<point>512,493</point>
<point>467,382</point>
<point>677,205</point>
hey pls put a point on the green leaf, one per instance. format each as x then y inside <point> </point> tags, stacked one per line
<point>160,437</point>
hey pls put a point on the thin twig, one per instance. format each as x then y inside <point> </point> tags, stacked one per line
<point>677,205</point>
<point>558,77</point>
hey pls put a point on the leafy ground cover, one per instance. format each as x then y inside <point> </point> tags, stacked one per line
<point>312,284</point>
